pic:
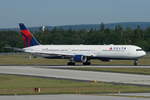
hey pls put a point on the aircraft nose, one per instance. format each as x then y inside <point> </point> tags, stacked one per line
<point>144,53</point>
<point>141,54</point>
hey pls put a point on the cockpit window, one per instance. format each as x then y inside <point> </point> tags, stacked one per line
<point>139,50</point>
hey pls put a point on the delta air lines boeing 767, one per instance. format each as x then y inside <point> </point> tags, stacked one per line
<point>79,53</point>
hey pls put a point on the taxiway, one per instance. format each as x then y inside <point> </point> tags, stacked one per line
<point>44,71</point>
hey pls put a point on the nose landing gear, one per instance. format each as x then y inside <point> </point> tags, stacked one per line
<point>135,62</point>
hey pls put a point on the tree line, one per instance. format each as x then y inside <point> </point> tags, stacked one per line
<point>101,36</point>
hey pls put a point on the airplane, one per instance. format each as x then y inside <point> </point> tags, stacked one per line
<point>79,53</point>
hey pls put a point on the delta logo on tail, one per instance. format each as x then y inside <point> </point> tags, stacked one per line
<point>28,39</point>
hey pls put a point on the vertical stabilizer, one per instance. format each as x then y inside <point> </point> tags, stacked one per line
<point>28,38</point>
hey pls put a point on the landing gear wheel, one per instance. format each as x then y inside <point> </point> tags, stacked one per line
<point>71,63</point>
<point>135,62</point>
<point>87,63</point>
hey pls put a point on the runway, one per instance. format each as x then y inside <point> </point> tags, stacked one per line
<point>76,75</point>
<point>95,66</point>
<point>67,97</point>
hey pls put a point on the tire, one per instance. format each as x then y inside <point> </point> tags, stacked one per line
<point>87,63</point>
<point>135,62</point>
<point>71,63</point>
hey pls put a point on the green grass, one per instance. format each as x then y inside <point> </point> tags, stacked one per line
<point>23,59</point>
<point>144,71</point>
<point>11,84</point>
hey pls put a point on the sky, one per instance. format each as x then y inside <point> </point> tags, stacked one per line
<point>72,12</point>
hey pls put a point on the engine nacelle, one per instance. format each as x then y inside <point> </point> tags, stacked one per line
<point>80,58</point>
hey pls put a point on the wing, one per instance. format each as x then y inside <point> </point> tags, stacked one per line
<point>63,54</point>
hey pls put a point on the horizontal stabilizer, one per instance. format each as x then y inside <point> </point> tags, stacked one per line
<point>15,49</point>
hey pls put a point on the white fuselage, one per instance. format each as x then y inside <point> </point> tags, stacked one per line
<point>93,51</point>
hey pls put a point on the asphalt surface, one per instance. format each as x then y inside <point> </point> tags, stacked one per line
<point>67,97</point>
<point>95,66</point>
<point>134,94</point>
<point>76,75</point>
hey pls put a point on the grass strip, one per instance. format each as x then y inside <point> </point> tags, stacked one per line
<point>12,84</point>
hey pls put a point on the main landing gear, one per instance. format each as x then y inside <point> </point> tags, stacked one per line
<point>87,63</point>
<point>71,63</point>
<point>135,62</point>
<point>84,63</point>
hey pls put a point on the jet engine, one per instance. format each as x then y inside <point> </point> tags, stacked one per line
<point>79,58</point>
